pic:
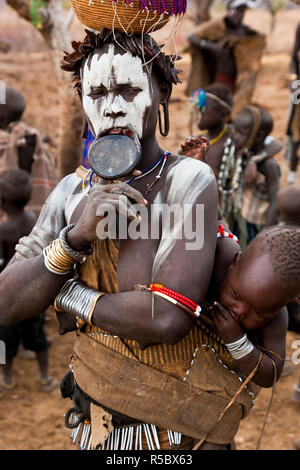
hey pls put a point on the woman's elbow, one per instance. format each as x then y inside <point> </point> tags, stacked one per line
<point>174,330</point>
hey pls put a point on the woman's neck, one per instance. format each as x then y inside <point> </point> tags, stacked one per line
<point>151,151</point>
<point>213,133</point>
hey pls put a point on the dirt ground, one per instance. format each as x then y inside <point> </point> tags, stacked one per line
<point>30,419</point>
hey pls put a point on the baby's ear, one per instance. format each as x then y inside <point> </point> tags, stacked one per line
<point>236,259</point>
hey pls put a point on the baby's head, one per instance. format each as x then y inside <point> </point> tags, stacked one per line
<point>288,203</point>
<point>15,189</point>
<point>251,126</point>
<point>264,278</point>
<point>13,108</point>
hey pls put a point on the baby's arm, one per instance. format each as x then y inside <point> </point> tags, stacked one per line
<point>271,344</point>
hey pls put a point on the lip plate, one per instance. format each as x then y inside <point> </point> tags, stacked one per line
<point>114,156</point>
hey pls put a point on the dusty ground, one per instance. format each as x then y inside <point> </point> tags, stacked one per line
<point>30,419</point>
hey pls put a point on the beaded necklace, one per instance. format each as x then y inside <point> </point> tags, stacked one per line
<point>226,167</point>
<point>148,170</point>
<point>145,172</point>
<point>219,136</point>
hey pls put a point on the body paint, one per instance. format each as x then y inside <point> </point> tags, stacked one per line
<point>105,70</point>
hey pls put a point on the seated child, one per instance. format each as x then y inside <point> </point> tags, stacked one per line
<point>15,191</point>
<point>212,107</point>
<point>260,171</point>
<point>212,111</point>
<point>250,314</point>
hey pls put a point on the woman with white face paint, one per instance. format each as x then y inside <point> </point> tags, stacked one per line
<point>132,350</point>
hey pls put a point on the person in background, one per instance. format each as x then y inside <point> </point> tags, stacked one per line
<point>15,192</point>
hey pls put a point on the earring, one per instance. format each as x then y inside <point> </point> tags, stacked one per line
<point>85,129</point>
<point>164,132</point>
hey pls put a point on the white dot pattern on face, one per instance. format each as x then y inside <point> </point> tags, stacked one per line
<point>127,69</point>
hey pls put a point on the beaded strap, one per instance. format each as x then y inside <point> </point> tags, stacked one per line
<point>180,300</point>
<point>223,234</point>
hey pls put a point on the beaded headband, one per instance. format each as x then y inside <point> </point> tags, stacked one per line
<point>198,98</point>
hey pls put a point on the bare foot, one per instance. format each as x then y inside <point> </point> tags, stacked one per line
<point>6,387</point>
<point>296,394</point>
<point>49,384</point>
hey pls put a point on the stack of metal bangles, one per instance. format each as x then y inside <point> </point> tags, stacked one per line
<point>59,257</point>
<point>240,348</point>
<point>74,297</point>
<point>78,299</point>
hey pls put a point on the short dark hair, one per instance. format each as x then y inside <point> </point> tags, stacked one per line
<point>221,91</point>
<point>145,48</point>
<point>267,122</point>
<point>15,187</point>
<point>282,243</point>
<point>15,104</point>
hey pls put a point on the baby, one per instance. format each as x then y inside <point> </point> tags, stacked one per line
<point>250,314</point>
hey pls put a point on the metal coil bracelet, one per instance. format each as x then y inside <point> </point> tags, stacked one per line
<point>77,299</point>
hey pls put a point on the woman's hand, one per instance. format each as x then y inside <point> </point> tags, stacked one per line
<point>103,198</point>
<point>66,322</point>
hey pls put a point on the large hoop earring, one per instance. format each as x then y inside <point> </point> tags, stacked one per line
<point>164,132</point>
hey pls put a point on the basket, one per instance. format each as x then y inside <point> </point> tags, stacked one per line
<point>131,16</point>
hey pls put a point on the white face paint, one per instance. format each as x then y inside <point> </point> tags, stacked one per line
<point>115,92</point>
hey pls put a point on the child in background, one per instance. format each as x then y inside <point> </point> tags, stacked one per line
<point>15,192</point>
<point>261,173</point>
<point>212,107</point>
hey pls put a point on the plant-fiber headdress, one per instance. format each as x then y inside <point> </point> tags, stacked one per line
<point>144,47</point>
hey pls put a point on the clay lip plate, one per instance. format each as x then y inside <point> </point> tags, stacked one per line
<point>113,156</point>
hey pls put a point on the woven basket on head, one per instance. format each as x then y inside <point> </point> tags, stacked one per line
<point>131,16</point>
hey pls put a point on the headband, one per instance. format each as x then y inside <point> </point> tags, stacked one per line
<point>198,98</point>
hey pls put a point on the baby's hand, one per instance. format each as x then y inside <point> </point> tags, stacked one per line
<point>227,327</point>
